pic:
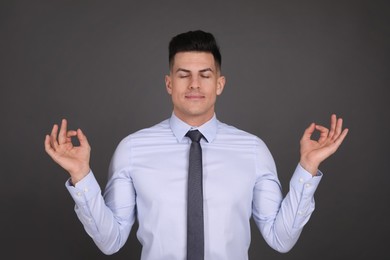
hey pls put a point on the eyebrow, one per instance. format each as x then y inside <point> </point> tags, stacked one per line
<point>188,71</point>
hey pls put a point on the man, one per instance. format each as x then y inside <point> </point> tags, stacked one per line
<point>149,179</point>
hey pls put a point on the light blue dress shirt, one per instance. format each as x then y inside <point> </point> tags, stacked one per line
<point>148,180</point>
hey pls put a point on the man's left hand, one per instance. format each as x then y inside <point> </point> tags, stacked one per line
<point>313,152</point>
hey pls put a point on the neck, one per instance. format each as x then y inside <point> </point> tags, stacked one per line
<point>194,121</point>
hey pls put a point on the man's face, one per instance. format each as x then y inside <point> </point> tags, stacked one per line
<point>194,83</point>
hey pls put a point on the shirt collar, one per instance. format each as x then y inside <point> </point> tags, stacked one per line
<point>180,128</point>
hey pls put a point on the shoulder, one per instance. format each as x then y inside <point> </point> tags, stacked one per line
<point>238,135</point>
<point>143,138</point>
<point>148,134</point>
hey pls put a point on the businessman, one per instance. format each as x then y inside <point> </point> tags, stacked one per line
<point>192,182</point>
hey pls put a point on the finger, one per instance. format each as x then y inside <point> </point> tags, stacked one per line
<point>48,148</point>
<point>342,136</point>
<point>309,131</point>
<point>333,120</point>
<point>62,135</point>
<point>82,138</point>
<point>336,144</point>
<point>339,128</point>
<point>69,135</point>
<point>324,133</point>
<point>53,137</point>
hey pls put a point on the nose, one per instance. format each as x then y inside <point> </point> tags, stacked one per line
<point>194,84</point>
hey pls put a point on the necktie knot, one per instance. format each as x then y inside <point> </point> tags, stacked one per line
<point>194,135</point>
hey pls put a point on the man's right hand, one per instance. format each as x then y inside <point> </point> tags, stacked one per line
<point>74,159</point>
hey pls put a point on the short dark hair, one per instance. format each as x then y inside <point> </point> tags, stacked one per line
<point>195,41</point>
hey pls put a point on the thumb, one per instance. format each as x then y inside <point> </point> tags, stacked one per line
<point>309,131</point>
<point>82,138</point>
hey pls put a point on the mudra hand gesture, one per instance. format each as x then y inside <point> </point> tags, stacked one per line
<point>74,159</point>
<point>313,152</point>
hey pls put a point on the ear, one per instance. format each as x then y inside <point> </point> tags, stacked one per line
<point>168,84</point>
<point>220,85</point>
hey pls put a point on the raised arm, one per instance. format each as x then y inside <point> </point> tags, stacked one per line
<point>74,159</point>
<point>313,152</point>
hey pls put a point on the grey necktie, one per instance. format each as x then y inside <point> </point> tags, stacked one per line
<point>195,227</point>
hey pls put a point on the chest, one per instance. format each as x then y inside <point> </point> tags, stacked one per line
<point>160,174</point>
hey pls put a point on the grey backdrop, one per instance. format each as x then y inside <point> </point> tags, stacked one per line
<point>101,64</point>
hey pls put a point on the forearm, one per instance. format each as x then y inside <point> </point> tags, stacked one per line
<point>284,219</point>
<point>108,230</point>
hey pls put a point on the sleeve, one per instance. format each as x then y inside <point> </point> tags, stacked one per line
<point>107,218</point>
<point>281,220</point>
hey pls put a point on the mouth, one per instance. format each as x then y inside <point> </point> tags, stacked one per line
<point>194,96</point>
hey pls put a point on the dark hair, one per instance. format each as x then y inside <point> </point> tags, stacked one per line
<point>195,41</point>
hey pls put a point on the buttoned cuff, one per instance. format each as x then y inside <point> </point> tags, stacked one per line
<point>302,180</point>
<point>84,190</point>
<point>304,185</point>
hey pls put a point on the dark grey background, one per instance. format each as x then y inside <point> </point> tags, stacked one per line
<point>101,64</point>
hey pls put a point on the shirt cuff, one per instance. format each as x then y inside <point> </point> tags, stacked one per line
<point>84,190</point>
<point>304,180</point>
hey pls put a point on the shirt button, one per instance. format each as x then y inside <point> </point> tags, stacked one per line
<point>300,180</point>
<point>85,189</point>
<point>307,185</point>
<point>299,212</point>
<point>78,194</point>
